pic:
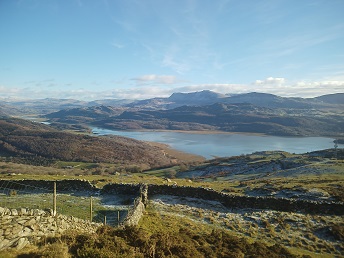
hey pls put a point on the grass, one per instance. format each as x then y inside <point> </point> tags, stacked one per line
<point>69,205</point>
<point>79,165</point>
<point>295,230</point>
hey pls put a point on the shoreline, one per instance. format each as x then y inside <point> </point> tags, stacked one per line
<point>168,149</point>
<point>177,154</point>
<point>220,132</point>
<point>187,131</point>
<point>203,132</point>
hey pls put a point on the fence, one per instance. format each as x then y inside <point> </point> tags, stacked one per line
<point>60,198</point>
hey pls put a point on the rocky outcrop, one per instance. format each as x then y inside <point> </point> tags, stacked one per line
<point>20,227</point>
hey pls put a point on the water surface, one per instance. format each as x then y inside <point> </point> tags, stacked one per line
<point>223,145</point>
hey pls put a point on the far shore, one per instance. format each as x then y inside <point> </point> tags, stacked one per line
<point>183,131</point>
<point>177,154</point>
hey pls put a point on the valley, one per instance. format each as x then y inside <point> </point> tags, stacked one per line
<point>181,208</point>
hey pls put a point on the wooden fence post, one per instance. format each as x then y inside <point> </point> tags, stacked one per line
<point>91,208</point>
<point>54,200</point>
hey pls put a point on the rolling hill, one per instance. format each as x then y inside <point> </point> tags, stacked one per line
<point>35,143</point>
<point>230,118</point>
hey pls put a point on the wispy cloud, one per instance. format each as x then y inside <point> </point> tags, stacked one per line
<point>290,44</point>
<point>117,45</point>
<point>156,79</point>
<point>179,66</point>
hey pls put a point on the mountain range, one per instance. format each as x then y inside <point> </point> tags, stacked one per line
<point>206,97</point>
<point>205,110</point>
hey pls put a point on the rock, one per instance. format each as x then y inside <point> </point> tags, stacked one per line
<point>37,212</point>
<point>2,211</point>
<point>51,220</point>
<point>33,227</point>
<point>13,242</point>
<point>14,212</point>
<point>63,224</point>
<point>30,222</point>
<point>8,232</point>
<point>21,221</point>
<point>21,243</point>
<point>7,219</point>
<point>4,244</point>
<point>25,232</point>
<point>16,229</point>
<point>51,212</point>
<point>22,211</point>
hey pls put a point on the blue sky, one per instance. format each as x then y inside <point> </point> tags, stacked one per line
<point>86,49</point>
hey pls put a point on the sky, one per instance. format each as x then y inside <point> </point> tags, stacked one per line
<point>139,49</point>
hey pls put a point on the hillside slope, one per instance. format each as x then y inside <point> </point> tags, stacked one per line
<point>230,118</point>
<point>42,144</point>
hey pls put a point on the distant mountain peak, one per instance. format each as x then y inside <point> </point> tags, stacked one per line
<point>337,98</point>
<point>198,95</point>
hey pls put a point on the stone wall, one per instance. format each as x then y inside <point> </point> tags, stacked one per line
<point>61,185</point>
<point>19,227</point>
<point>130,189</point>
<point>22,226</point>
<point>136,212</point>
<point>234,201</point>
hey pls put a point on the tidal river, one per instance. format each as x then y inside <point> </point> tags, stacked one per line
<point>211,145</point>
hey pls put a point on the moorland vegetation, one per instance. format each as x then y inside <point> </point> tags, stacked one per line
<point>39,144</point>
<point>156,236</point>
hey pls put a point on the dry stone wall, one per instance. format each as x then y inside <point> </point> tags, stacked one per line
<point>62,185</point>
<point>136,212</point>
<point>130,189</point>
<point>20,227</point>
<point>234,201</point>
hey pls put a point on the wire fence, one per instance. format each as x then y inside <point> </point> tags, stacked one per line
<point>89,205</point>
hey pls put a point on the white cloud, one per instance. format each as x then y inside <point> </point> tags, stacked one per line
<point>151,86</point>
<point>280,87</point>
<point>156,79</point>
<point>216,87</point>
<point>141,92</point>
<point>270,80</point>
